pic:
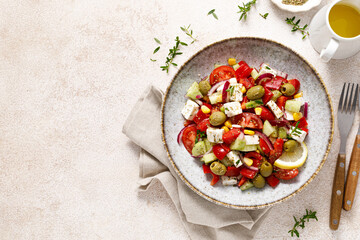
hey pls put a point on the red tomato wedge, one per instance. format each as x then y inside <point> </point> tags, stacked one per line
<point>188,138</point>
<point>242,181</point>
<point>267,96</point>
<point>281,102</point>
<point>248,120</point>
<point>295,83</point>
<point>285,174</point>
<point>215,178</point>
<point>278,149</point>
<point>243,71</point>
<point>274,83</point>
<point>246,82</point>
<point>231,135</point>
<point>266,114</point>
<point>220,150</point>
<point>200,115</point>
<point>203,125</point>
<point>272,181</point>
<point>264,147</point>
<point>248,173</point>
<point>221,74</point>
<point>232,171</point>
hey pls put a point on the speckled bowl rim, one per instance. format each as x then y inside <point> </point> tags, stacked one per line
<point>242,207</point>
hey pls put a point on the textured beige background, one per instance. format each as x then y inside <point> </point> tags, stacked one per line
<point>70,71</point>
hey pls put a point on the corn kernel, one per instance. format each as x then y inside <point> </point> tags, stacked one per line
<point>257,151</point>
<point>226,129</point>
<point>228,124</point>
<point>258,111</point>
<point>298,95</point>
<point>248,161</point>
<point>222,109</point>
<point>232,61</point>
<point>249,132</point>
<point>243,89</point>
<point>297,116</point>
<point>205,109</point>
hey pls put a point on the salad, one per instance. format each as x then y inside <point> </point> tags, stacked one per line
<point>247,126</point>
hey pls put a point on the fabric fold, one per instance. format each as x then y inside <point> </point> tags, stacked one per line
<point>201,218</point>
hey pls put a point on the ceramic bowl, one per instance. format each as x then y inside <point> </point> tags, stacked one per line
<point>297,8</point>
<point>254,51</point>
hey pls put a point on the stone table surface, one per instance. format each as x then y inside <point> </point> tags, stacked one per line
<point>71,72</point>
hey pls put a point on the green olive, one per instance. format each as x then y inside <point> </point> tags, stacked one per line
<point>217,118</point>
<point>276,95</point>
<point>266,169</point>
<point>290,146</point>
<point>227,162</point>
<point>287,89</point>
<point>255,92</point>
<point>218,168</point>
<point>259,181</point>
<point>204,87</point>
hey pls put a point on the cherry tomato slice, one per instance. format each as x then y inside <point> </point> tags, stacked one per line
<point>246,82</point>
<point>247,120</point>
<point>264,147</point>
<point>242,181</point>
<point>200,115</point>
<point>220,150</point>
<point>272,180</point>
<point>248,173</point>
<point>215,178</point>
<point>278,149</point>
<point>203,125</point>
<point>243,71</point>
<point>285,174</point>
<point>231,135</point>
<point>267,96</point>
<point>188,138</point>
<point>266,114</point>
<point>221,74</point>
<point>295,83</point>
<point>232,171</point>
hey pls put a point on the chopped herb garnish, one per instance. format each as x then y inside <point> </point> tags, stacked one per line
<point>245,9</point>
<point>173,52</point>
<point>157,40</point>
<point>267,67</point>
<point>212,12</point>
<point>237,162</point>
<point>231,90</point>
<point>156,49</point>
<point>296,26</point>
<point>264,16</point>
<point>153,60</point>
<point>301,222</point>
<point>296,131</point>
<point>199,134</point>
<point>226,109</point>
<point>188,32</point>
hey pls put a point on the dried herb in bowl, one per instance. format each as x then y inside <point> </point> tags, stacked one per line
<point>294,2</point>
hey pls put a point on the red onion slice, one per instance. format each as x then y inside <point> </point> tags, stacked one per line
<point>213,88</point>
<point>224,92</point>
<point>278,122</point>
<point>179,137</point>
<point>265,138</point>
<point>198,96</point>
<point>306,110</point>
<point>265,75</point>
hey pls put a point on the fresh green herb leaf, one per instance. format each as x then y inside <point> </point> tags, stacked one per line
<point>296,130</point>
<point>226,109</point>
<point>245,9</point>
<point>267,67</point>
<point>296,26</point>
<point>230,90</point>
<point>173,52</point>
<point>188,32</point>
<point>156,49</point>
<point>264,16</point>
<point>301,222</point>
<point>212,12</point>
<point>153,60</point>
<point>157,40</point>
<point>199,134</point>
<point>237,162</point>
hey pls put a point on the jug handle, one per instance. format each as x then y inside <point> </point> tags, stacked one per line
<point>328,52</point>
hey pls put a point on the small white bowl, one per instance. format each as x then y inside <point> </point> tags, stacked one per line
<point>297,8</point>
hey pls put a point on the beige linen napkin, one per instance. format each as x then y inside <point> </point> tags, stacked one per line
<point>201,218</point>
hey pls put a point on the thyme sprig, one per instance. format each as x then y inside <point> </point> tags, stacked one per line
<point>296,130</point>
<point>230,90</point>
<point>301,222</point>
<point>173,52</point>
<point>296,26</point>
<point>156,49</point>
<point>188,32</point>
<point>245,8</point>
<point>264,16</point>
<point>212,12</point>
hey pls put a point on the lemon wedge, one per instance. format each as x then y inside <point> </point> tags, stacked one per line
<point>291,160</point>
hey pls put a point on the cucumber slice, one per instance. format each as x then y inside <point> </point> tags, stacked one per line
<point>249,148</point>
<point>268,129</point>
<point>208,158</point>
<point>199,149</point>
<point>276,95</point>
<point>238,144</point>
<point>293,105</point>
<point>254,103</point>
<point>208,144</point>
<point>236,66</point>
<point>254,74</point>
<point>194,91</point>
<point>275,134</point>
<point>247,185</point>
<point>282,132</point>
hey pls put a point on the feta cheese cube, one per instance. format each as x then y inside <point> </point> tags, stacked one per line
<point>236,95</point>
<point>289,115</point>
<point>215,98</point>
<point>228,181</point>
<point>252,139</point>
<point>265,68</point>
<point>234,156</point>
<point>275,109</point>
<point>232,82</point>
<point>232,109</point>
<point>299,135</point>
<point>214,135</point>
<point>190,109</point>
